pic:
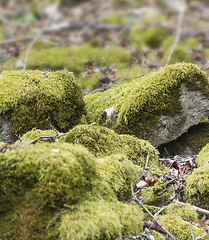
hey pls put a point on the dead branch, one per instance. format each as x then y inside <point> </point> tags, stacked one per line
<point>198,209</point>
<point>205,226</point>
<point>191,232</point>
<point>150,214</point>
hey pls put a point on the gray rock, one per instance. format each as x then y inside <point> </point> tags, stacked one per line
<point>6,134</point>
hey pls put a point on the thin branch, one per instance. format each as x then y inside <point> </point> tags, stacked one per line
<point>151,215</point>
<point>198,209</point>
<point>181,14</point>
<point>147,160</point>
<point>205,226</point>
<point>191,232</point>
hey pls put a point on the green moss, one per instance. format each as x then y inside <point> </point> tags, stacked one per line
<point>151,37</point>
<point>101,220</point>
<point>206,52</point>
<point>180,228</point>
<point>197,187</point>
<point>183,210</point>
<point>119,172</point>
<point>91,83</point>
<point>30,98</point>
<point>35,133</point>
<point>102,142</point>
<point>74,58</point>
<point>128,73</point>
<point>54,173</point>
<point>156,235</point>
<point>167,43</point>
<point>203,156</point>
<point>180,54</point>
<point>136,106</point>
<point>190,42</point>
<point>114,18</point>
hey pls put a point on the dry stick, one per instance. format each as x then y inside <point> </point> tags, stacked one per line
<point>40,32</point>
<point>191,232</point>
<point>151,215</point>
<point>147,160</point>
<point>181,14</point>
<point>201,210</point>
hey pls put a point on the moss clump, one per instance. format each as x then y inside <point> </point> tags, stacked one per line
<point>54,173</point>
<point>137,106</point>
<point>91,82</point>
<point>190,42</point>
<point>180,54</point>
<point>114,18</point>
<point>128,73</point>
<point>180,228</point>
<point>151,37</point>
<point>182,210</point>
<point>30,98</point>
<point>203,157</point>
<point>101,220</point>
<point>75,58</point>
<point>197,187</point>
<point>119,172</point>
<point>102,142</point>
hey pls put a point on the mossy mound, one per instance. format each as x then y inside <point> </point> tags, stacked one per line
<point>54,174</point>
<point>135,108</point>
<point>91,82</point>
<point>180,228</point>
<point>114,18</point>
<point>151,37</point>
<point>197,187</point>
<point>119,172</point>
<point>203,157</point>
<point>30,98</point>
<point>74,58</point>
<point>101,220</point>
<point>102,142</point>
<point>180,54</point>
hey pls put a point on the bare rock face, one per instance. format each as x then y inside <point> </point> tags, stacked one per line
<point>6,134</point>
<point>159,107</point>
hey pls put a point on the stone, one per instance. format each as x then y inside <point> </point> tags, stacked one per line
<point>158,107</point>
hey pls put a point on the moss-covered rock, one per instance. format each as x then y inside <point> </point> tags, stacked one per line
<point>197,187</point>
<point>151,37</point>
<point>179,55</point>
<point>203,157</point>
<point>28,98</point>
<point>54,174</point>
<point>102,142</point>
<point>156,106</point>
<point>119,172</point>
<point>101,220</point>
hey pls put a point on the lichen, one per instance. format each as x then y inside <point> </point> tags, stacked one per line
<point>100,220</point>
<point>102,142</point>
<point>139,104</point>
<point>30,98</point>
<point>197,187</point>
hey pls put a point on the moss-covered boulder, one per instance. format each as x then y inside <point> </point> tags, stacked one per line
<point>102,142</point>
<point>101,220</point>
<point>203,157</point>
<point>28,98</point>
<point>158,107</point>
<point>197,187</point>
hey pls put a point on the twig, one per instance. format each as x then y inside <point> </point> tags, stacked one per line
<point>147,160</point>
<point>201,210</point>
<point>205,226</point>
<point>181,14</point>
<point>201,237</point>
<point>151,215</point>
<point>191,232</point>
<point>162,209</point>
<point>138,75</point>
<point>40,32</point>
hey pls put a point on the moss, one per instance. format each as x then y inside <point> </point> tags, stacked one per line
<point>119,172</point>
<point>114,18</point>
<point>180,228</point>
<point>183,210</point>
<point>151,37</point>
<point>102,142</point>
<point>203,156</point>
<point>180,54</point>
<point>30,98</point>
<point>74,58</point>
<point>197,187</point>
<point>35,133</point>
<point>54,173</point>
<point>190,42</point>
<point>167,43</point>
<point>128,73</point>
<point>206,52</point>
<point>156,235</point>
<point>137,106</point>
<point>91,82</point>
<point>101,220</point>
